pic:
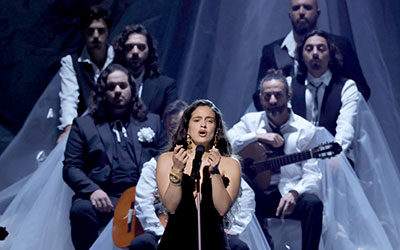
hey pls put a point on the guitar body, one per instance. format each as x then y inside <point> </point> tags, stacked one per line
<point>123,232</point>
<point>259,161</point>
<point>257,151</point>
<point>254,154</point>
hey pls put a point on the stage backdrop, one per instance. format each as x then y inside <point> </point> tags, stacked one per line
<point>212,48</point>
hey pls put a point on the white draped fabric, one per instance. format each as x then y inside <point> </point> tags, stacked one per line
<point>349,219</point>
<point>377,172</point>
<point>38,217</point>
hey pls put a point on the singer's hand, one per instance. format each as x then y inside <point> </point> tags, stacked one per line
<point>213,157</point>
<point>101,201</point>
<point>179,158</point>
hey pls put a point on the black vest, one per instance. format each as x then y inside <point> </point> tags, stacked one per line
<point>331,103</point>
<point>85,77</point>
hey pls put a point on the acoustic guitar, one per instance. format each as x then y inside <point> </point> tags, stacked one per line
<point>260,160</point>
<point>126,226</point>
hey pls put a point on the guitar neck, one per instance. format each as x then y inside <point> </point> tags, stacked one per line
<point>275,163</point>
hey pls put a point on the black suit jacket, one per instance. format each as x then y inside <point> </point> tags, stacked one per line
<point>158,92</point>
<point>273,56</point>
<point>90,150</point>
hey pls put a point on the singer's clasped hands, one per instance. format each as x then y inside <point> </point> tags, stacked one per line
<point>181,156</point>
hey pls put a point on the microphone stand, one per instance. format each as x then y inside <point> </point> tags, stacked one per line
<point>196,176</point>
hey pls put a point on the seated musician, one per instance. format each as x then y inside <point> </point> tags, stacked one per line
<point>148,205</point>
<point>291,192</point>
<point>105,152</point>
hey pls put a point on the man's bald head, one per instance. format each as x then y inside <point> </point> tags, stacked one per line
<point>304,15</point>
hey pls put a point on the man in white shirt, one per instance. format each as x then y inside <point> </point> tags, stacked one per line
<point>321,94</point>
<point>79,73</point>
<point>292,192</point>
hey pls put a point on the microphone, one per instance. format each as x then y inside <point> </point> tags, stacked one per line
<point>197,162</point>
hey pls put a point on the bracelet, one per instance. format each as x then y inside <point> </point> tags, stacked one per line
<point>180,171</point>
<point>215,170</point>
<point>175,178</point>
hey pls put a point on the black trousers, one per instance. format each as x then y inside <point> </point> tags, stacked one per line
<point>308,210</point>
<point>86,222</point>
<point>235,243</point>
<point>146,241</point>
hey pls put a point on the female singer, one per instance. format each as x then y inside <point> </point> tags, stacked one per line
<point>201,124</point>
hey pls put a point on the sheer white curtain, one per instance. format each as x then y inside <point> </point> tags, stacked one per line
<point>222,59</point>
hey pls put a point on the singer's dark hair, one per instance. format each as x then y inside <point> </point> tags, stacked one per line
<point>179,138</point>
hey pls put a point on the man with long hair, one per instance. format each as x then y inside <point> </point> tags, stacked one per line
<point>320,92</point>
<point>136,50</point>
<point>105,152</point>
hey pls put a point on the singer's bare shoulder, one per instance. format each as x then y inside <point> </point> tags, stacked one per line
<point>229,164</point>
<point>165,158</point>
<point>164,164</point>
<point>166,155</point>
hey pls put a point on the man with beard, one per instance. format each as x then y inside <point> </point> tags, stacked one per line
<point>292,190</point>
<point>321,94</point>
<point>136,50</point>
<point>105,152</point>
<point>281,53</point>
<point>79,73</point>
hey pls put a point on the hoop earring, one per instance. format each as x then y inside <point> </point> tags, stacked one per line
<point>189,141</point>
<point>215,139</point>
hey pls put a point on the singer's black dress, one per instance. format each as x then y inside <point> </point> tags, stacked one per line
<point>181,230</point>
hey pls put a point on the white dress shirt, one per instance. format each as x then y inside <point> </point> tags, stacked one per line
<point>299,136</point>
<point>144,206</point>
<point>69,93</point>
<point>290,45</point>
<point>349,98</point>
